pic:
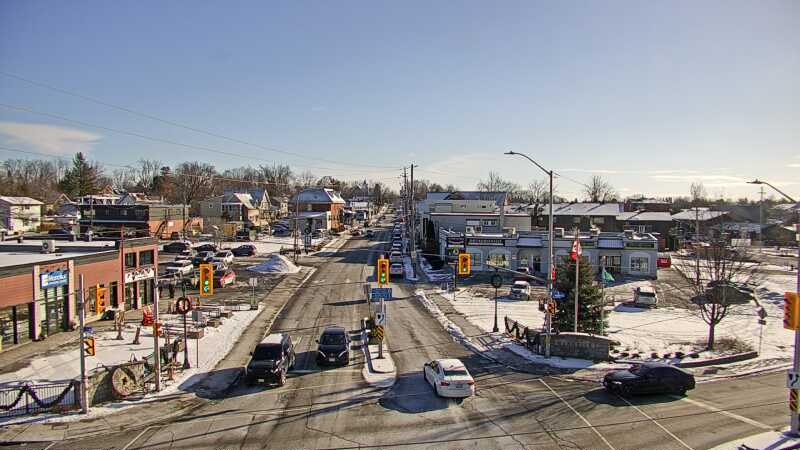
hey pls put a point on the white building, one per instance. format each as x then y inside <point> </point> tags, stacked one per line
<point>20,214</point>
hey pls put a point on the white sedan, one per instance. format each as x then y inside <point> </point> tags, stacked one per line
<point>225,256</point>
<point>449,378</point>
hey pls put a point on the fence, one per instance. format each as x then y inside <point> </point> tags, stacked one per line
<point>38,398</point>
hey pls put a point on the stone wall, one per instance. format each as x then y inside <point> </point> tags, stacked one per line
<point>581,345</point>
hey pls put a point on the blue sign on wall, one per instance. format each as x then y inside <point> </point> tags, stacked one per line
<point>558,295</point>
<point>54,279</point>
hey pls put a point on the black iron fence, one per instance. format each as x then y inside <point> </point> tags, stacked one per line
<point>39,398</point>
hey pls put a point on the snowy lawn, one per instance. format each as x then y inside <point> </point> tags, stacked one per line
<point>275,264</point>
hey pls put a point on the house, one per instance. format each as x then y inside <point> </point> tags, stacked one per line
<point>244,209</point>
<point>647,204</point>
<point>584,216</point>
<point>142,220</point>
<point>280,206</point>
<point>20,214</point>
<point>321,200</point>
<point>658,224</point>
<point>627,253</point>
<point>688,219</point>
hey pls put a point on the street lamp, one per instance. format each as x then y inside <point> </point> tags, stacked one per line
<point>550,280</point>
<point>795,418</point>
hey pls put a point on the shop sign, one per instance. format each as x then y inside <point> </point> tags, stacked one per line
<point>54,279</point>
<point>144,273</point>
<point>495,242</point>
<point>640,245</point>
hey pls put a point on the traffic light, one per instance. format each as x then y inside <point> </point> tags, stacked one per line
<point>206,280</point>
<point>383,271</point>
<point>464,264</point>
<point>791,311</point>
<point>100,299</point>
<point>89,346</point>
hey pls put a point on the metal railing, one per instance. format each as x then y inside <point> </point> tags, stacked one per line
<point>39,398</point>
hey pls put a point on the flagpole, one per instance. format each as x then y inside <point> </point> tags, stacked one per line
<point>603,294</point>
<point>577,251</point>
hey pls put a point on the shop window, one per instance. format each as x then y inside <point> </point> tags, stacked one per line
<point>475,259</point>
<point>613,264</point>
<point>490,222</point>
<point>498,259</point>
<point>146,258</point>
<point>130,260</point>
<point>640,264</point>
<point>7,326</point>
<point>598,220</point>
<point>113,295</point>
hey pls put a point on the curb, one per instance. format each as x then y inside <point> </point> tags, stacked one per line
<point>721,360</point>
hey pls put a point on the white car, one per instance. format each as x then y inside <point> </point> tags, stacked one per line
<point>396,269</point>
<point>395,256</point>
<point>449,378</point>
<point>645,295</point>
<point>225,256</point>
<point>521,290</point>
<point>180,267</point>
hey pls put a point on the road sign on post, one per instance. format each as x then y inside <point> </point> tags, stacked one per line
<point>89,346</point>
<point>381,294</point>
<point>378,332</point>
<point>206,280</point>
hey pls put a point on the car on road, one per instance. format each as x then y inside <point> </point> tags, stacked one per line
<point>244,250</point>
<point>397,246</point>
<point>206,248</point>
<point>202,258</point>
<point>177,247</point>
<point>356,232</point>
<point>180,267</point>
<point>270,360</point>
<point>59,232</point>
<point>395,256</point>
<point>645,296</point>
<point>396,269</point>
<point>225,256</point>
<point>521,290</point>
<point>649,378</point>
<point>449,378</point>
<point>370,234</point>
<point>334,346</point>
<point>224,277</point>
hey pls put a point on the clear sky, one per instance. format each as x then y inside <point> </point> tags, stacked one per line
<point>650,95</point>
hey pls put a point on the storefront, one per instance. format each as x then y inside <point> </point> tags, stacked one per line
<point>15,324</point>
<point>54,297</point>
<point>139,287</point>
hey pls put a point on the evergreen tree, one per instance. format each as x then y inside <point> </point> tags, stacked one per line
<point>81,179</point>
<point>590,300</point>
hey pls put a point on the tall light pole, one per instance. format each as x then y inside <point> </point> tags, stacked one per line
<point>550,280</point>
<point>795,418</point>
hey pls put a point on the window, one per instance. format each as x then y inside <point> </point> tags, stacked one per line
<point>473,222</point>
<point>123,212</point>
<point>490,222</point>
<point>640,264</point>
<point>576,220</point>
<point>498,259</point>
<point>130,260</point>
<point>599,220</point>
<point>146,258</point>
<point>474,259</point>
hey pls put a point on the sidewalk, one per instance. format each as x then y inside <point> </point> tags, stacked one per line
<point>190,394</point>
<point>771,440</point>
<point>378,372</point>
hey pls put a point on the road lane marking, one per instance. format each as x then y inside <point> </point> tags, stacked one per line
<point>713,408</point>
<point>578,414</point>
<point>680,441</point>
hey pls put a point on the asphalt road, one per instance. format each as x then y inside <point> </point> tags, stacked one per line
<point>335,408</point>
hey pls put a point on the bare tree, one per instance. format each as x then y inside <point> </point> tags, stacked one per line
<point>305,178</point>
<point>697,193</point>
<point>145,175</point>
<point>495,183</point>
<point>124,178</point>
<point>599,190</point>
<point>193,181</point>
<point>278,179</point>
<point>722,287</point>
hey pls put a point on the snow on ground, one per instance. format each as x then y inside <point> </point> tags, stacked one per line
<point>275,264</point>
<point>408,269</point>
<point>435,276</point>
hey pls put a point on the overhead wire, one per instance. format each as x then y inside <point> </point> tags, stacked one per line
<point>178,124</point>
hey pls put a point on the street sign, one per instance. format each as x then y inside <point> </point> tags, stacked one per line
<point>762,321</point>
<point>380,318</point>
<point>377,332</point>
<point>792,380</point>
<point>558,295</point>
<point>88,330</point>
<point>253,281</point>
<point>381,294</point>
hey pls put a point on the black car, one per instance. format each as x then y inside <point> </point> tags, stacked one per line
<point>334,346</point>
<point>649,378</point>
<point>244,250</point>
<point>177,247</point>
<point>59,232</point>
<point>206,248</point>
<point>269,362</point>
<point>202,258</point>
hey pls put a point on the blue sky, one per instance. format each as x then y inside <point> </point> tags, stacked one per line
<point>650,95</point>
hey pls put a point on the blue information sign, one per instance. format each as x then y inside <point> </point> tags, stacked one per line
<point>558,295</point>
<point>54,279</point>
<point>381,294</point>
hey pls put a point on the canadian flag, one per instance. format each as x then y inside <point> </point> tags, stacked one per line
<point>576,250</point>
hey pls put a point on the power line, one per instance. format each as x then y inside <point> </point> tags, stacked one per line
<point>180,125</point>
<point>156,139</point>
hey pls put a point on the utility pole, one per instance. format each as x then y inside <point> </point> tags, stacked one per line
<point>156,328</point>
<point>761,220</point>
<point>84,394</point>
<point>697,244</point>
<point>413,223</point>
<point>296,218</point>
<point>577,279</point>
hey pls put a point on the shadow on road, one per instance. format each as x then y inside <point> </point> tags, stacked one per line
<point>411,394</point>
<point>603,397</point>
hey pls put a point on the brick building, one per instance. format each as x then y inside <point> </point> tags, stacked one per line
<point>321,200</point>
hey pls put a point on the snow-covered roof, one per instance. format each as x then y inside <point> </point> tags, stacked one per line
<point>498,197</point>
<point>584,209</point>
<point>318,195</point>
<point>238,198</point>
<point>645,216</point>
<point>788,206</point>
<point>701,214</point>
<point>20,200</point>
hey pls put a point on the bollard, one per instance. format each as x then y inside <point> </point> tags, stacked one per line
<point>136,338</point>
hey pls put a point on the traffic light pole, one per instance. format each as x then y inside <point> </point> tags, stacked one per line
<point>795,418</point>
<point>84,395</point>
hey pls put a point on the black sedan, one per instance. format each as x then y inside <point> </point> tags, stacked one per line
<point>206,248</point>
<point>649,378</point>
<point>244,250</point>
<point>176,247</point>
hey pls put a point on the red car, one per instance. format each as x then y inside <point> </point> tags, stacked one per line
<point>224,277</point>
<point>664,261</point>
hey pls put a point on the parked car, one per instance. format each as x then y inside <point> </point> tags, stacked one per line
<point>396,269</point>
<point>270,360</point>
<point>334,346</point>
<point>521,290</point>
<point>224,277</point>
<point>370,234</point>
<point>397,245</point>
<point>664,261</point>
<point>180,267</point>
<point>645,296</point>
<point>185,256</point>
<point>395,257</point>
<point>649,378</point>
<point>449,378</point>
<point>281,232</point>
<point>202,258</point>
<point>244,250</point>
<point>225,256</point>
<point>206,248</point>
<point>355,232</point>
<point>59,232</point>
<point>177,247</point>
<point>174,236</point>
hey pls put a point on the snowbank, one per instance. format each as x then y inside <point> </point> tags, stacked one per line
<point>435,276</point>
<point>408,269</point>
<point>275,264</point>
